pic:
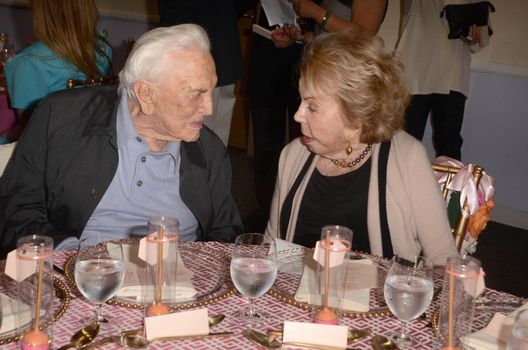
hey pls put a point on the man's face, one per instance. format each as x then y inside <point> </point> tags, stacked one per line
<point>183,96</point>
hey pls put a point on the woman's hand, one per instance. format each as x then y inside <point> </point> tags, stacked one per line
<point>473,35</point>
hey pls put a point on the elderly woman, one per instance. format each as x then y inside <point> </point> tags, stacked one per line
<point>354,166</point>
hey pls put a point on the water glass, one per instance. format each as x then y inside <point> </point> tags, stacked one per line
<point>99,274</point>
<point>519,337</point>
<point>35,292</point>
<point>253,270</point>
<point>408,292</point>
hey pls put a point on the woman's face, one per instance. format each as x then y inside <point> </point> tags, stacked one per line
<point>322,123</point>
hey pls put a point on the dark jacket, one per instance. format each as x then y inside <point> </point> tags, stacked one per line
<point>68,156</point>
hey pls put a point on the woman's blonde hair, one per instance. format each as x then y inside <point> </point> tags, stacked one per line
<point>69,28</point>
<point>366,79</point>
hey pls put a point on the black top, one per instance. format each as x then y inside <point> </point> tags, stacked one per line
<point>335,200</point>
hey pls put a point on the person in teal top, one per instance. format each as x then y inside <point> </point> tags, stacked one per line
<point>68,46</point>
<point>37,71</point>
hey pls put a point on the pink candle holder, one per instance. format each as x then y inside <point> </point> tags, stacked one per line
<point>35,292</point>
<point>335,243</point>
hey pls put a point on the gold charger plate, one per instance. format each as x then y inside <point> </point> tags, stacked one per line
<point>8,287</point>
<point>208,267</point>
<point>291,265</point>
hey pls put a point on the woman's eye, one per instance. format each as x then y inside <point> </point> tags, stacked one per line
<point>310,109</point>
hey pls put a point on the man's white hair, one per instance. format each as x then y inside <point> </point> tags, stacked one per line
<point>147,60</point>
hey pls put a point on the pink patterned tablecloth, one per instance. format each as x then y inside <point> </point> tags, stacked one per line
<point>280,311</point>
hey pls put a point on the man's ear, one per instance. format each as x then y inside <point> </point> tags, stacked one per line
<point>145,96</point>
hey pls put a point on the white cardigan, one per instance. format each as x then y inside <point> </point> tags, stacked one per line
<point>416,212</point>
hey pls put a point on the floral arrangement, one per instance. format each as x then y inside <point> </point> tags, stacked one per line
<point>480,200</point>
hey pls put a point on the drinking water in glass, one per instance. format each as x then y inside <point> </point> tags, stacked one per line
<point>253,270</point>
<point>408,291</point>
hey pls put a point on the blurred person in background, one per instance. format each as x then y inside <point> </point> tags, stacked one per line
<point>68,46</point>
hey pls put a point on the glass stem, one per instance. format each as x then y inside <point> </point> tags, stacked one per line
<point>251,309</point>
<point>403,331</point>
<point>99,313</point>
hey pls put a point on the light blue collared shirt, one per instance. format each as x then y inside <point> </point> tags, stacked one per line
<point>146,184</point>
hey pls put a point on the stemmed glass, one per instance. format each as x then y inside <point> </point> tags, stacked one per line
<point>253,270</point>
<point>408,292</point>
<point>99,273</point>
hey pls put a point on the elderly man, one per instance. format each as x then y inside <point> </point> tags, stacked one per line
<point>97,160</point>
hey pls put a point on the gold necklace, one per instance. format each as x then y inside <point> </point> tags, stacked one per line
<point>344,164</point>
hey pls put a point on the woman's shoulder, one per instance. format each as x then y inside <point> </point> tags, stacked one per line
<point>36,49</point>
<point>294,148</point>
<point>402,140</point>
<point>32,55</point>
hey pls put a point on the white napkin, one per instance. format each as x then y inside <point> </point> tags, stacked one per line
<point>135,275</point>
<point>495,335</point>
<point>361,276</point>
<point>8,319</point>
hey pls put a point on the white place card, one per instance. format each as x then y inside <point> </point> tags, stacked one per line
<point>315,334</point>
<point>149,252</point>
<point>336,257</point>
<point>20,271</point>
<point>182,323</point>
<point>284,247</point>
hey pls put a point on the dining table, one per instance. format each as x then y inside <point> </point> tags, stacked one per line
<point>228,301</point>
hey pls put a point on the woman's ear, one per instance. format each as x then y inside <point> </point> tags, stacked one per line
<point>145,96</point>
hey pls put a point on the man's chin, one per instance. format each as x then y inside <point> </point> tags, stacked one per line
<point>192,138</point>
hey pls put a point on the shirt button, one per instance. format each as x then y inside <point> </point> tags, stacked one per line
<point>139,183</point>
<point>138,139</point>
<point>143,159</point>
<point>93,193</point>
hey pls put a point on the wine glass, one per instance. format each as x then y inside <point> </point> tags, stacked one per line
<point>253,270</point>
<point>408,292</point>
<point>99,273</point>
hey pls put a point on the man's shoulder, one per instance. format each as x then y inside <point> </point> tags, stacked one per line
<point>70,105</point>
<point>80,97</point>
